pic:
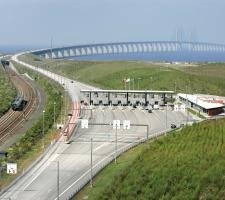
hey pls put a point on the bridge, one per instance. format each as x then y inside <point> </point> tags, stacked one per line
<point>189,50</point>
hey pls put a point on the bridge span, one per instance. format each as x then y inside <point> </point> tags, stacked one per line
<point>189,51</point>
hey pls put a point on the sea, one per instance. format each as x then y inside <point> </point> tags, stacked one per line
<point>183,56</point>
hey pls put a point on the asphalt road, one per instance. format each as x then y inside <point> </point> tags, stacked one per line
<point>74,158</point>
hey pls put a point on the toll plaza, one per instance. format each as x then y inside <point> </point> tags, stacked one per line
<point>125,97</point>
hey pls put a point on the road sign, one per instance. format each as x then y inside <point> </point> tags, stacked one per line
<point>84,123</point>
<point>11,168</point>
<point>116,124</point>
<point>59,126</point>
<point>183,107</point>
<point>126,124</point>
<point>176,107</point>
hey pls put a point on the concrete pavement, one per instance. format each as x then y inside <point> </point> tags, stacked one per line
<point>41,181</point>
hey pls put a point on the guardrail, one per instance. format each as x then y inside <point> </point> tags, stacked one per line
<point>70,192</point>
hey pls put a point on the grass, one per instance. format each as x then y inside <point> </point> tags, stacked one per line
<point>183,165</point>
<point>147,76</point>
<point>196,113</point>
<point>188,164</point>
<point>106,177</point>
<point>7,92</point>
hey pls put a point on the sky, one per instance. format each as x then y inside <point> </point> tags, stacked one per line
<point>71,22</point>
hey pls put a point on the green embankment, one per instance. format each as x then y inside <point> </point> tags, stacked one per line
<point>184,165</point>
<point>188,164</point>
<point>30,145</point>
<point>7,91</point>
<point>197,79</point>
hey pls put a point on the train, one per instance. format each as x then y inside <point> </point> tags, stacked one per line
<point>5,62</point>
<point>19,103</point>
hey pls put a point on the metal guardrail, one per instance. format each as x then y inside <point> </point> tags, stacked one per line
<point>84,179</point>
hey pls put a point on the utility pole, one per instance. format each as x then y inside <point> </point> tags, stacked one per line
<point>54,114</point>
<point>65,106</point>
<point>166,116</point>
<point>91,180</point>
<point>43,129</point>
<point>51,47</point>
<point>116,146</point>
<point>61,107</point>
<point>58,180</point>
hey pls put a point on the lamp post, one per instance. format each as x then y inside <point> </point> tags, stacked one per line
<point>43,129</point>
<point>139,83</point>
<point>61,107</point>
<point>65,106</point>
<point>58,180</point>
<point>133,83</point>
<point>91,180</point>
<point>187,105</point>
<point>116,146</point>
<point>166,116</point>
<point>54,114</point>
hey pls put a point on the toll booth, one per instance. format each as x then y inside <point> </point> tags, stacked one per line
<point>125,97</point>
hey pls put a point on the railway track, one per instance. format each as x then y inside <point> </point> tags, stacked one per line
<point>12,120</point>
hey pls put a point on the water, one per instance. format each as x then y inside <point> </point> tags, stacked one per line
<point>164,56</point>
<point>12,49</point>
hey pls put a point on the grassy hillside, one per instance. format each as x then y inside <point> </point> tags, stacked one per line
<point>7,92</point>
<point>146,75</point>
<point>184,165</point>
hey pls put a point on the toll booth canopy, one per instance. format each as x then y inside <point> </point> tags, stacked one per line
<point>125,97</point>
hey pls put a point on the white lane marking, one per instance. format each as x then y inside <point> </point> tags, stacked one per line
<point>99,147</point>
<point>88,171</point>
<point>38,174</point>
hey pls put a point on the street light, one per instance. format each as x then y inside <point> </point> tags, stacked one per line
<point>139,83</point>
<point>57,179</point>
<point>61,107</point>
<point>116,147</point>
<point>116,125</point>
<point>65,106</point>
<point>43,129</point>
<point>54,114</point>
<point>91,181</point>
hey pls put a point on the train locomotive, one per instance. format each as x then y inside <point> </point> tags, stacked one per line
<point>19,103</point>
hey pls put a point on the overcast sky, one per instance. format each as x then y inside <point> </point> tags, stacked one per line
<point>34,22</point>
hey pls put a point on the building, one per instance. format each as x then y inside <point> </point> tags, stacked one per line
<point>126,97</point>
<point>206,105</point>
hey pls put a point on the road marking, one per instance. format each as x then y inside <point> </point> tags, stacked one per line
<point>88,171</point>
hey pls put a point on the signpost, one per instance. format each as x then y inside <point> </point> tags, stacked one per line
<point>116,125</point>
<point>11,168</point>
<point>84,123</point>
<point>126,124</point>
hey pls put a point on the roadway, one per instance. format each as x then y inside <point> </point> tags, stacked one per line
<point>40,182</point>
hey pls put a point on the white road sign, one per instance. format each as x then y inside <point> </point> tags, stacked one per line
<point>183,107</point>
<point>116,124</point>
<point>84,123</point>
<point>176,107</point>
<point>11,168</point>
<point>126,124</point>
<point>59,126</point>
